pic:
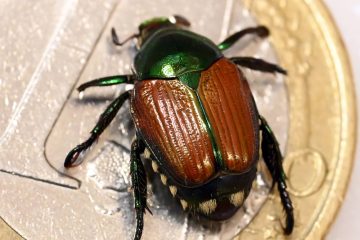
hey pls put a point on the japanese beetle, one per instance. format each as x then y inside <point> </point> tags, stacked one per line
<point>195,117</point>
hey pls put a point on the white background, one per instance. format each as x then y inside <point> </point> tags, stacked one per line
<point>347,17</point>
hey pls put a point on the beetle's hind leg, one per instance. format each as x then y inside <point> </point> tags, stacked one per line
<point>105,119</point>
<point>107,81</point>
<point>258,64</point>
<point>260,31</point>
<point>273,159</point>
<point>139,185</point>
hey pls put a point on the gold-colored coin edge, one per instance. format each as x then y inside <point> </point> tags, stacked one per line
<point>349,120</point>
<point>319,29</point>
<point>6,232</point>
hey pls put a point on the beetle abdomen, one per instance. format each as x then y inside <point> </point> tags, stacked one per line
<point>167,116</point>
<point>228,102</point>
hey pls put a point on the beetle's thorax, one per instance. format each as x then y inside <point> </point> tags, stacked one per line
<point>170,52</point>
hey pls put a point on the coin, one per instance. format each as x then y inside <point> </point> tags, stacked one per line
<point>319,98</point>
<point>320,148</point>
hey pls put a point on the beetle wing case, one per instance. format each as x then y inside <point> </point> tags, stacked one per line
<point>232,113</point>
<point>167,115</point>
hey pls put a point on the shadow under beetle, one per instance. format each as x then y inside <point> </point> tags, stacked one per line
<point>196,118</point>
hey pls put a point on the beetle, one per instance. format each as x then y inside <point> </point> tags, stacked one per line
<point>196,118</point>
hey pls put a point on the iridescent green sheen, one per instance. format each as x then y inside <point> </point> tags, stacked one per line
<point>175,65</point>
<point>190,79</point>
<point>107,81</point>
<point>224,46</point>
<point>230,41</point>
<point>210,130</point>
<point>170,52</point>
<point>113,81</point>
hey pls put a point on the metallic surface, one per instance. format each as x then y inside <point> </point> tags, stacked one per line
<point>322,117</point>
<point>40,121</point>
<point>172,52</point>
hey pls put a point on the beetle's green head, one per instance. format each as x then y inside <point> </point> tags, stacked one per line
<point>150,26</point>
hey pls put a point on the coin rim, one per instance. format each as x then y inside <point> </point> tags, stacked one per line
<point>348,116</point>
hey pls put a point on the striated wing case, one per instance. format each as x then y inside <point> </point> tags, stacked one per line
<point>229,105</point>
<point>171,118</point>
<point>167,116</point>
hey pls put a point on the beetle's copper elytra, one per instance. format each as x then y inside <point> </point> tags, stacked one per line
<point>196,118</point>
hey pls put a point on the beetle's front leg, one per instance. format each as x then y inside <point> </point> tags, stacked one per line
<point>104,121</point>
<point>261,31</point>
<point>139,185</point>
<point>107,81</point>
<point>273,159</point>
<point>258,64</point>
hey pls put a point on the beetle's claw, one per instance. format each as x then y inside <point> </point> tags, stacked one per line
<point>147,208</point>
<point>81,88</point>
<point>289,225</point>
<point>115,38</point>
<point>263,31</point>
<point>281,70</point>
<point>71,159</point>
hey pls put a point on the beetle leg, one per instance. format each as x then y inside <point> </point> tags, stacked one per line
<point>106,117</point>
<point>107,81</point>
<point>258,64</point>
<point>261,31</point>
<point>273,160</point>
<point>139,184</point>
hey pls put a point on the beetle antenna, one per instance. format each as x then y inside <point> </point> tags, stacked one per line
<point>115,38</point>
